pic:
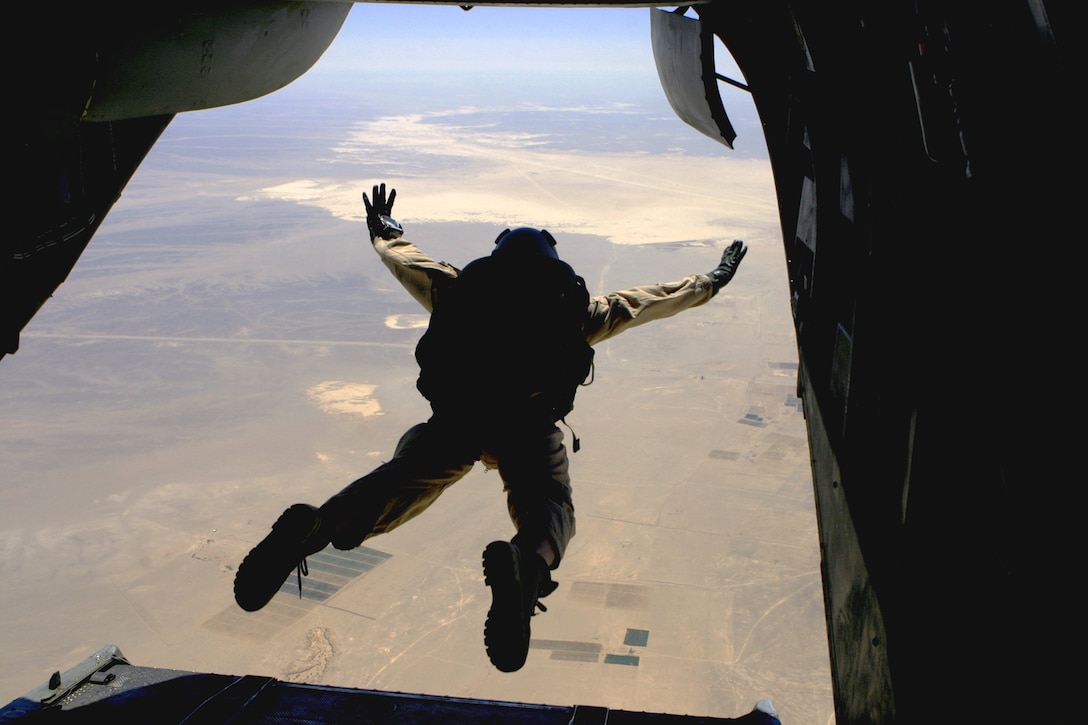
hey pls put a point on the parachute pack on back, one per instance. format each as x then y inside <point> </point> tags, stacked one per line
<point>506,339</point>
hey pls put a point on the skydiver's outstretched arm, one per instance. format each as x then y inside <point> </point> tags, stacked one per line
<point>611,314</point>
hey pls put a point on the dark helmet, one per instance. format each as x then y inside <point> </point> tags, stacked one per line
<point>525,242</point>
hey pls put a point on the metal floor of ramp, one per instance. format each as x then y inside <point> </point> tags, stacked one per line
<point>106,688</point>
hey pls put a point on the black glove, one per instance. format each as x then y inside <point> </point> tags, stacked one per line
<point>726,268</point>
<point>378,220</point>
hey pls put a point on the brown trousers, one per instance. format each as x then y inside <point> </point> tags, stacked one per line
<point>431,456</point>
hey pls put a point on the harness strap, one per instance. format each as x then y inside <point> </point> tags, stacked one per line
<point>576,443</point>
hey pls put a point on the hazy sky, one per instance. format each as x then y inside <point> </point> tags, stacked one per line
<point>428,39</point>
<point>563,53</point>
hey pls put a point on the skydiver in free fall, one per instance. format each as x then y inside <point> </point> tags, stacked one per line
<point>508,345</point>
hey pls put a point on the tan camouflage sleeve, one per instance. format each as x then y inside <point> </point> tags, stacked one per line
<point>416,271</point>
<point>611,314</point>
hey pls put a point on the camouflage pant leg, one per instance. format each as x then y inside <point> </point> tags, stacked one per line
<point>538,490</point>
<point>428,459</point>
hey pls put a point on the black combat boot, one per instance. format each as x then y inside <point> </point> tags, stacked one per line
<point>295,535</point>
<point>517,579</point>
